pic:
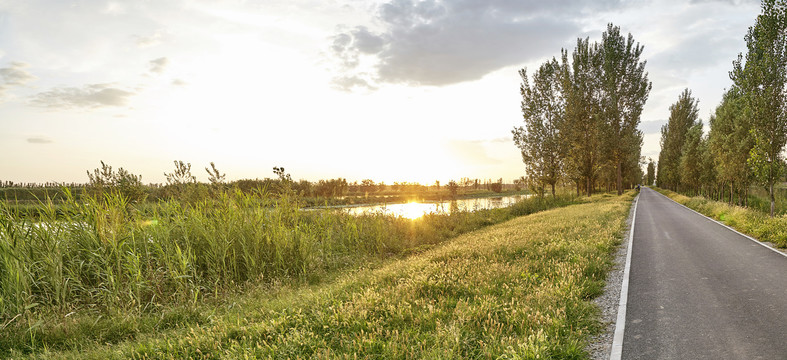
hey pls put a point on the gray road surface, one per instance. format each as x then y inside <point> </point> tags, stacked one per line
<point>698,290</point>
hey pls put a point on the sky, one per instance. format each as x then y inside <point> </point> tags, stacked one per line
<point>389,90</point>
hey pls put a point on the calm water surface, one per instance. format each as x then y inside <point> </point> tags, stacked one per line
<point>415,210</point>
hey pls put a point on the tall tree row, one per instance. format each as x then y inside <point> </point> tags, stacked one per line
<point>651,176</point>
<point>730,143</point>
<point>748,130</point>
<point>684,115</point>
<point>762,78</point>
<point>540,141</point>
<point>581,115</point>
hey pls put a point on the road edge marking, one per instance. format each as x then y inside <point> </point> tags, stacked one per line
<point>620,323</point>
<point>758,242</point>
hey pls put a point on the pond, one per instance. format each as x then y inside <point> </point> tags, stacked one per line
<point>414,210</point>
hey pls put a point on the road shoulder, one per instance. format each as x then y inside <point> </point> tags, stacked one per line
<point>600,346</point>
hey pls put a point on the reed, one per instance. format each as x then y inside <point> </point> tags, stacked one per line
<point>517,290</point>
<point>103,256</point>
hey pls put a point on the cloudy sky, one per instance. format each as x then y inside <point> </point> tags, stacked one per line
<point>392,90</point>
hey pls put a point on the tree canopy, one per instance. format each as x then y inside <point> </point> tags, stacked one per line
<point>581,115</point>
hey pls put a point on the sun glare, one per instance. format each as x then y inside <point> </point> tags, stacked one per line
<point>414,210</point>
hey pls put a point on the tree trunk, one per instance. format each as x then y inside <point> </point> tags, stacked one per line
<point>731,192</point>
<point>588,188</point>
<point>746,196</point>
<point>620,178</point>
<point>553,190</point>
<point>773,199</point>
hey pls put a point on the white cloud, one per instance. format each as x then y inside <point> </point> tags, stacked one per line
<point>115,8</point>
<point>351,82</point>
<point>158,65</point>
<point>88,96</point>
<point>148,41</point>
<point>651,126</point>
<point>179,82</point>
<point>14,75</point>
<point>39,140</point>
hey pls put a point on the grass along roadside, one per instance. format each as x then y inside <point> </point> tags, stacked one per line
<point>103,270</point>
<point>517,290</point>
<point>748,221</point>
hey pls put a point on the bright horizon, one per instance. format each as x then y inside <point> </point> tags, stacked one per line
<point>416,91</point>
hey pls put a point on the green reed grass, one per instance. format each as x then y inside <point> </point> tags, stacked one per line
<point>517,290</point>
<point>105,257</point>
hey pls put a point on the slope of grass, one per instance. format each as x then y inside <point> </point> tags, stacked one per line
<point>105,270</point>
<point>517,290</point>
<point>746,220</point>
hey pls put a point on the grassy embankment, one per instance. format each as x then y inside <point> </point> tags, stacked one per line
<point>103,270</point>
<point>746,220</point>
<point>520,289</point>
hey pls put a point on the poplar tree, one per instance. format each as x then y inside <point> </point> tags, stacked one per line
<point>709,176</point>
<point>624,88</point>
<point>762,79</point>
<point>730,142</point>
<point>543,109</point>
<point>582,127</point>
<point>651,176</point>
<point>691,159</point>
<point>683,116</point>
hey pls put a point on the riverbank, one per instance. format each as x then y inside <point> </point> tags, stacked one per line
<point>423,197</point>
<point>108,271</point>
<point>519,289</point>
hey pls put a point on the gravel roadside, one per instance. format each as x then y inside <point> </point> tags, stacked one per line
<point>601,345</point>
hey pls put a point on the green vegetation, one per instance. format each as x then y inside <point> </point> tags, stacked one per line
<point>650,178</point>
<point>748,131</point>
<point>762,79</point>
<point>520,289</point>
<point>749,221</point>
<point>183,186</point>
<point>758,199</point>
<point>581,117</point>
<point>104,257</point>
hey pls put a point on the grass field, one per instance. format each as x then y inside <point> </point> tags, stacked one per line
<point>750,221</point>
<point>106,270</point>
<point>517,290</point>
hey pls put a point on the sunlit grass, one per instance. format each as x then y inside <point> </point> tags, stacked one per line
<point>517,290</point>
<point>749,221</point>
<point>101,269</point>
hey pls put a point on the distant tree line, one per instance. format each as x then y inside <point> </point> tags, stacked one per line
<point>748,129</point>
<point>581,115</point>
<point>182,184</point>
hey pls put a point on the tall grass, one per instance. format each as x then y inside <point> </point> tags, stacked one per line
<point>517,290</point>
<point>747,220</point>
<point>759,199</point>
<point>106,257</point>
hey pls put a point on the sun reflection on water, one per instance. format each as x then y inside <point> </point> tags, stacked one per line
<point>413,210</point>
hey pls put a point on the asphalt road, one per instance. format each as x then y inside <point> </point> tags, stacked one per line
<point>698,290</point>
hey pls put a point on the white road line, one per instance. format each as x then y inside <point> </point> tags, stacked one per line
<point>722,224</point>
<point>620,324</point>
